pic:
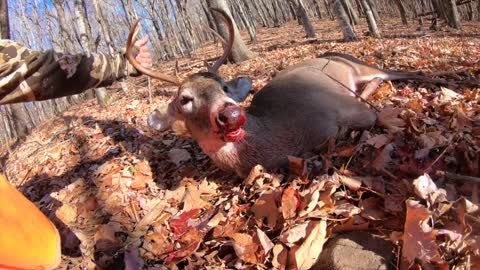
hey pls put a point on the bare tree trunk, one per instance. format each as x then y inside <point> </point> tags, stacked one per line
<point>373,8</point>
<point>453,16</point>
<point>276,14</point>
<point>105,26</point>
<point>240,51</point>
<point>329,9</point>
<point>83,26</point>
<point>261,14</point>
<point>248,24</point>
<point>4,22</point>
<point>470,13</point>
<point>167,51</point>
<point>401,9</point>
<point>345,26</point>
<point>62,24</point>
<point>169,29</point>
<point>302,13</point>
<point>20,120</point>
<point>316,3</point>
<point>439,9</point>
<point>36,21</point>
<point>87,44</point>
<point>351,12</point>
<point>478,10</point>
<point>372,25</point>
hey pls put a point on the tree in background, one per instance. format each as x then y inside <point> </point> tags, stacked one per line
<point>344,22</point>
<point>302,13</point>
<point>240,52</point>
<point>372,24</point>
<point>4,22</point>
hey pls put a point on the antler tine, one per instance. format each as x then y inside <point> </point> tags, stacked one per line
<point>231,38</point>
<point>207,65</point>
<point>138,66</point>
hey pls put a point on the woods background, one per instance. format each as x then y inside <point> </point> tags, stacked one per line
<point>177,28</point>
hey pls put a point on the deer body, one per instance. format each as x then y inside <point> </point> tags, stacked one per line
<point>301,108</point>
<point>294,113</point>
<point>344,69</point>
<point>347,68</point>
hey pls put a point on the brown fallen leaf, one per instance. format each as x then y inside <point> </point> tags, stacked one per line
<point>383,158</point>
<point>352,183</point>
<point>326,201</point>
<point>295,234</point>
<point>378,141</point>
<point>312,203</point>
<point>193,198</point>
<point>460,120</point>
<point>66,213</point>
<point>266,207</point>
<point>264,240</point>
<point>159,242</point>
<point>143,175</point>
<point>426,189</point>
<point>186,245</point>
<point>309,251</point>
<point>393,203</point>
<point>290,203</point>
<point>355,223</point>
<point>374,183</point>
<point>346,209</point>
<point>371,209</point>
<point>254,174</point>
<point>419,239</point>
<point>345,151</point>
<point>245,247</point>
<point>446,95</point>
<point>105,239</point>
<point>280,257</point>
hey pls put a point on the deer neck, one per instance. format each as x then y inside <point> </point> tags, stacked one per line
<point>237,156</point>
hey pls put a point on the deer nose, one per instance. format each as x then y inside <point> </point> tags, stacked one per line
<point>231,117</point>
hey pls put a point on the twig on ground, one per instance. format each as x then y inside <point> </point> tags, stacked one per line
<point>458,177</point>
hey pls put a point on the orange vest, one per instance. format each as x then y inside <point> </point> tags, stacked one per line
<point>28,239</point>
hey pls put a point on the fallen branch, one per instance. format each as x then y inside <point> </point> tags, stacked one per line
<point>458,177</point>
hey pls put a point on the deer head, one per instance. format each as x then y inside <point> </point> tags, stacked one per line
<point>204,103</point>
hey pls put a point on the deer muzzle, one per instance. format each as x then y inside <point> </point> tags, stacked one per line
<point>230,121</point>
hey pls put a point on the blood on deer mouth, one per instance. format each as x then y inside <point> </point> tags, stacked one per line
<point>234,136</point>
<point>229,123</point>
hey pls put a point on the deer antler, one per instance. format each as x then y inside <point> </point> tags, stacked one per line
<point>140,68</point>
<point>231,37</point>
<point>214,68</point>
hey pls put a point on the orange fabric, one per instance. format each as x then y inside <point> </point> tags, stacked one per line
<point>28,239</point>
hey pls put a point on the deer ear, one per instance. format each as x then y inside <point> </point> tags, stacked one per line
<point>162,119</point>
<point>238,89</point>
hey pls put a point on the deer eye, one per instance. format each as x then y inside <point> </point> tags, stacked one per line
<point>225,89</point>
<point>184,100</point>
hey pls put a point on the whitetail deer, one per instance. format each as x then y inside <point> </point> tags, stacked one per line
<point>295,112</point>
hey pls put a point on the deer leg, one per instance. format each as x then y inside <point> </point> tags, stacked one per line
<point>370,87</point>
<point>357,116</point>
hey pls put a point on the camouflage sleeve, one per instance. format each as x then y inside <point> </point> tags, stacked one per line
<point>27,75</point>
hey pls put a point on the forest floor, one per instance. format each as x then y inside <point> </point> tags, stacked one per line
<point>123,195</point>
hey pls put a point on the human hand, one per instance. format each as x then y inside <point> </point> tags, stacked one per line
<point>143,57</point>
